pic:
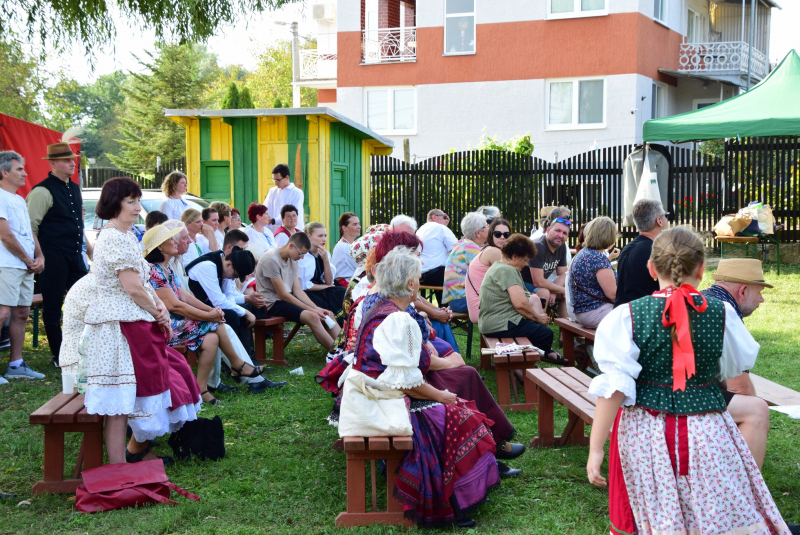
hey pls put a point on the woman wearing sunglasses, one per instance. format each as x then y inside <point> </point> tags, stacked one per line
<point>498,233</point>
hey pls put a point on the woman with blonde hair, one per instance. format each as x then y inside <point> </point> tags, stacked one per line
<point>592,279</point>
<point>677,461</point>
<point>317,273</point>
<point>174,186</point>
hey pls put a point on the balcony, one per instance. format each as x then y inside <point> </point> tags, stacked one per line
<point>389,45</point>
<point>722,59</point>
<point>317,69</point>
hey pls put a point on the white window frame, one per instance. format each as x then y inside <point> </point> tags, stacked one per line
<point>697,101</point>
<point>575,125</point>
<point>698,26</point>
<point>660,100</point>
<point>576,12</point>
<point>664,15</point>
<point>390,110</point>
<point>474,29</point>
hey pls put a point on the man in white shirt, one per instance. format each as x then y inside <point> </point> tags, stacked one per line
<point>437,242</point>
<point>20,258</point>
<point>210,218</point>
<point>282,194</point>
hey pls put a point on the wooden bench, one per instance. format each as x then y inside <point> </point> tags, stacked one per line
<point>279,343</point>
<point>461,321</point>
<point>738,242</point>
<point>427,292</point>
<point>504,366</point>
<point>570,387</point>
<point>358,450</point>
<point>569,330</point>
<point>773,393</point>
<point>36,304</point>
<point>65,413</point>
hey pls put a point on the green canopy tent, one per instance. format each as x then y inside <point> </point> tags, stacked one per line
<point>772,108</point>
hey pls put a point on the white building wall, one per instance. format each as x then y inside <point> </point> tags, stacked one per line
<point>348,15</point>
<point>455,116</point>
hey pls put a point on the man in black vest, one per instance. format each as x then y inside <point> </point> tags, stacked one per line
<point>55,206</point>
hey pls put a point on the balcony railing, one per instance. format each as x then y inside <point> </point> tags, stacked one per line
<point>389,45</point>
<point>726,58</point>
<point>317,66</point>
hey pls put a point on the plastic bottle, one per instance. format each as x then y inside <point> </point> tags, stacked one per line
<point>83,361</point>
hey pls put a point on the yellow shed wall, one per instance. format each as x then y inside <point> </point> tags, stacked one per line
<point>272,149</point>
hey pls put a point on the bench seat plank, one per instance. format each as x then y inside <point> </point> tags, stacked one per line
<point>44,414</point>
<point>773,393</point>
<point>562,393</point>
<point>68,413</point>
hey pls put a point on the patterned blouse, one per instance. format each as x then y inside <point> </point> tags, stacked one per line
<point>583,273</point>
<point>455,269</point>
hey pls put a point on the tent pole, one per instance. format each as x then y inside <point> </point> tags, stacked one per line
<point>752,38</point>
<point>695,187</point>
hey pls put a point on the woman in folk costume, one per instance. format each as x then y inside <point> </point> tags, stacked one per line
<point>677,462</point>
<point>452,465</point>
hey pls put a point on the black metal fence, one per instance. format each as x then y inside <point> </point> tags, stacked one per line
<point>701,188</point>
<point>152,179</point>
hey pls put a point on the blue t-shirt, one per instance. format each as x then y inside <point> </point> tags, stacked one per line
<point>583,272</point>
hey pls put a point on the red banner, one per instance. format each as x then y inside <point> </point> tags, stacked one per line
<point>31,141</point>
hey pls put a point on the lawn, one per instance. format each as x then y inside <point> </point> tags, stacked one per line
<point>281,475</point>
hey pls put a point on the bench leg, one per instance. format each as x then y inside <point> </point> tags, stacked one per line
<point>545,437</point>
<point>568,337</point>
<point>531,391</point>
<point>573,432</point>
<point>93,448</point>
<point>260,343</point>
<point>393,505</point>
<point>503,386</point>
<point>486,360</point>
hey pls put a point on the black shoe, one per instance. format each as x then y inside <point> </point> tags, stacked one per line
<point>135,458</point>
<point>222,388</point>
<point>224,368</point>
<point>794,529</point>
<point>257,388</point>
<point>464,523</point>
<point>507,471</point>
<point>54,360</point>
<point>516,451</point>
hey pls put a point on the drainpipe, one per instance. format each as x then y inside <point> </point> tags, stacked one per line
<point>752,39</point>
<point>295,66</point>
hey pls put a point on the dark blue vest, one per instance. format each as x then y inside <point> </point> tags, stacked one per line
<point>61,230</point>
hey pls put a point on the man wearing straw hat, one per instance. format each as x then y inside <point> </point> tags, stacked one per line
<point>55,208</point>
<point>739,282</point>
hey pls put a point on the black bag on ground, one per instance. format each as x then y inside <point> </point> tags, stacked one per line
<point>202,438</point>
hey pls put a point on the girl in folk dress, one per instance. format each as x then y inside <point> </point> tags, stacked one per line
<point>677,462</point>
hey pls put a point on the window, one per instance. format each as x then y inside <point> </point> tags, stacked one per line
<point>576,104</point>
<point>459,27</point>
<point>700,103</point>
<point>694,27</point>
<point>657,101</point>
<point>561,9</point>
<point>660,10</point>
<point>392,110</point>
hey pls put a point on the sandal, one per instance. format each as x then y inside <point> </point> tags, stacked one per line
<point>137,457</point>
<point>257,370</point>
<point>554,357</point>
<point>212,401</point>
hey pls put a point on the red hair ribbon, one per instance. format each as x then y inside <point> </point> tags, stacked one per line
<point>676,313</point>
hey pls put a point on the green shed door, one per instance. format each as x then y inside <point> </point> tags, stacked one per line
<point>339,204</point>
<point>345,175</point>
<point>215,180</point>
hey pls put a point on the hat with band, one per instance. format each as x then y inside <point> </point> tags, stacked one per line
<point>59,151</point>
<point>742,270</point>
<point>156,236</point>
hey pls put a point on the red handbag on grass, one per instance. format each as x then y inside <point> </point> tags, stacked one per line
<point>116,486</point>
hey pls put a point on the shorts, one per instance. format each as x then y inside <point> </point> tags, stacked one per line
<point>16,287</point>
<point>285,310</point>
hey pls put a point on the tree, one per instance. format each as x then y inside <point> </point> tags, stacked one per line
<point>91,22</point>
<point>177,78</point>
<point>273,77</point>
<point>21,83</point>
<point>277,103</point>
<point>245,100</point>
<point>231,100</point>
<point>218,87</point>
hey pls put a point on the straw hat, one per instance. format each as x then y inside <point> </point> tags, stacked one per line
<point>156,236</point>
<point>544,213</point>
<point>62,151</point>
<point>742,270</point>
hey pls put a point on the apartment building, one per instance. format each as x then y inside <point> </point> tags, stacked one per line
<point>576,74</point>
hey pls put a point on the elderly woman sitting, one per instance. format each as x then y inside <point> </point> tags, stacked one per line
<point>592,279</point>
<point>452,465</point>
<point>475,229</point>
<point>506,310</point>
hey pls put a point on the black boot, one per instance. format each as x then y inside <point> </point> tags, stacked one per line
<point>54,341</point>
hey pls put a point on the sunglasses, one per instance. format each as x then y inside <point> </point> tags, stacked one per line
<point>498,234</point>
<point>445,216</point>
<point>562,220</point>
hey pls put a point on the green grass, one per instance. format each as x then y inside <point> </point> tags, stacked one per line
<point>281,475</point>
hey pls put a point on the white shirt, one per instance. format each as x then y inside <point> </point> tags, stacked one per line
<point>617,354</point>
<point>308,265</point>
<point>226,297</point>
<point>14,210</point>
<point>194,251</point>
<point>173,208</point>
<point>437,242</point>
<point>277,198</point>
<point>259,242</point>
<point>342,261</point>
<point>281,239</point>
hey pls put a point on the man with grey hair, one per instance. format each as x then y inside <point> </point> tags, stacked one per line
<point>403,223</point>
<point>20,258</point>
<point>437,242</point>
<point>633,279</point>
<point>475,230</point>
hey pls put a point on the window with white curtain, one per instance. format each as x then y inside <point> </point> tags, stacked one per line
<point>576,103</point>
<point>459,27</point>
<point>560,9</point>
<point>391,110</point>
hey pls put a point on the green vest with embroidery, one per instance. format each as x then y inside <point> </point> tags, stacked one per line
<point>654,384</point>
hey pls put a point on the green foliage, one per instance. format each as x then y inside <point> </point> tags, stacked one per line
<point>245,100</point>
<point>177,78</point>
<point>21,82</point>
<point>217,88</point>
<point>273,77</point>
<point>231,100</point>
<point>518,144</point>
<point>277,103</point>
<point>713,147</point>
<point>91,22</point>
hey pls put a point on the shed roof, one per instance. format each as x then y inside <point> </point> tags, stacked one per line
<point>280,112</point>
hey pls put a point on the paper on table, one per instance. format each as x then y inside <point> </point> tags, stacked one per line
<point>792,411</point>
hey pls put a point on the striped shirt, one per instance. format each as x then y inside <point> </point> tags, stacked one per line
<point>455,269</point>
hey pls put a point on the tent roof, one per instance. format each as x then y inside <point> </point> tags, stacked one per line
<point>769,109</point>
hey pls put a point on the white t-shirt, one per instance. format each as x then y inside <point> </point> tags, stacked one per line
<point>308,266</point>
<point>259,242</point>
<point>437,242</point>
<point>342,261</point>
<point>277,198</point>
<point>195,250</point>
<point>14,210</point>
<point>173,208</point>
